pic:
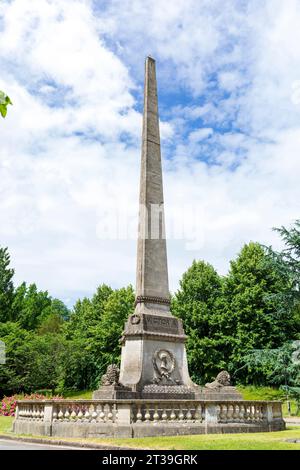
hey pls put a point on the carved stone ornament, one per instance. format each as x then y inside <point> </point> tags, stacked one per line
<point>111,377</point>
<point>135,319</point>
<point>163,364</point>
<point>222,380</point>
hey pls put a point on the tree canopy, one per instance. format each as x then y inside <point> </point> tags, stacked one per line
<point>245,322</point>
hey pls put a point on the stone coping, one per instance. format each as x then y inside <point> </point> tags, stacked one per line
<point>148,401</point>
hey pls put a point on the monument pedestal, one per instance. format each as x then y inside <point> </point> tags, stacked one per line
<point>153,361</point>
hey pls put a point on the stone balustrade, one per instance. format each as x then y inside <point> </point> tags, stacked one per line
<point>128,418</point>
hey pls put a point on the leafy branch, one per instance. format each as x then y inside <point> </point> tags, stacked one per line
<point>4,102</point>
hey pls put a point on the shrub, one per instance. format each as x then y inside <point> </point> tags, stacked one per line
<point>9,404</point>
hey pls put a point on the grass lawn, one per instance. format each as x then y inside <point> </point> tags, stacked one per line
<point>255,441</point>
<point>250,392</point>
<point>5,424</point>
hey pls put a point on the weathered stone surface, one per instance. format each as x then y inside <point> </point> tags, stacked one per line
<point>153,357</point>
<point>152,270</point>
<point>148,417</point>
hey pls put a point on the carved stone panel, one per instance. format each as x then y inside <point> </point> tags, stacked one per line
<point>160,324</point>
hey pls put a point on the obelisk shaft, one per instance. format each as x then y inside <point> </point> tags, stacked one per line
<point>152,270</point>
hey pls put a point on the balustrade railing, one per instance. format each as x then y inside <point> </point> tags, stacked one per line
<point>148,411</point>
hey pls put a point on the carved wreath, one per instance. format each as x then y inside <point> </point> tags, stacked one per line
<point>163,364</point>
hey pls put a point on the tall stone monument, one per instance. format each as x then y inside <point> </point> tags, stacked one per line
<point>153,361</point>
<point>152,394</point>
<point>153,354</point>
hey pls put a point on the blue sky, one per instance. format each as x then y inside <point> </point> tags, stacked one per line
<point>229,95</point>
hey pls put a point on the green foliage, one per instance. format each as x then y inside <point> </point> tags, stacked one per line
<point>287,263</point>
<point>93,333</point>
<point>30,306</point>
<point>4,102</point>
<point>249,312</point>
<point>196,303</point>
<point>243,322</point>
<point>32,362</point>
<point>278,364</point>
<point>6,286</point>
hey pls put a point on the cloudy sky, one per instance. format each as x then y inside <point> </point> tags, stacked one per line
<point>229,95</point>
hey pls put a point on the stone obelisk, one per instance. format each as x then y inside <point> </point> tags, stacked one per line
<point>153,361</point>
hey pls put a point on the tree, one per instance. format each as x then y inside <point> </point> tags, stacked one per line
<point>30,306</point>
<point>249,310</point>
<point>196,303</point>
<point>278,364</point>
<point>6,286</point>
<point>87,313</point>
<point>32,362</point>
<point>93,334</point>
<point>12,372</point>
<point>287,264</point>
<point>4,102</point>
<point>281,366</point>
<point>108,332</point>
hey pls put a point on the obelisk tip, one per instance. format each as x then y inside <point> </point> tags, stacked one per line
<point>149,58</point>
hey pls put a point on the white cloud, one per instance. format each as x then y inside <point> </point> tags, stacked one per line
<point>70,144</point>
<point>200,134</point>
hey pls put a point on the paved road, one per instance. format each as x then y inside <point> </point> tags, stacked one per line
<point>17,445</point>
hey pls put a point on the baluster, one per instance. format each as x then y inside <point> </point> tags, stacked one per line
<point>223,413</point>
<point>242,416</point>
<point>66,414</point>
<point>173,414</point>
<point>147,413</point>
<point>198,412</point>
<point>164,415</point>
<point>139,415</point>
<point>181,413</point>
<point>87,415</point>
<point>235,413</point>
<point>80,414</point>
<point>259,413</point>
<point>101,414</point>
<point>155,414</point>
<point>94,413</point>
<point>110,413</point>
<point>247,413</point>
<point>251,412</point>
<point>188,414</point>
<point>230,409</point>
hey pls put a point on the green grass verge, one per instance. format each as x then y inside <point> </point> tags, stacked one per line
<point>80,395</point>
<point>255,441</point>
<point>250,392</point>
<point>6,424</point>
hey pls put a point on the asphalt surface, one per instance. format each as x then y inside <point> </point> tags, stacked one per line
<point>17,445</point>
